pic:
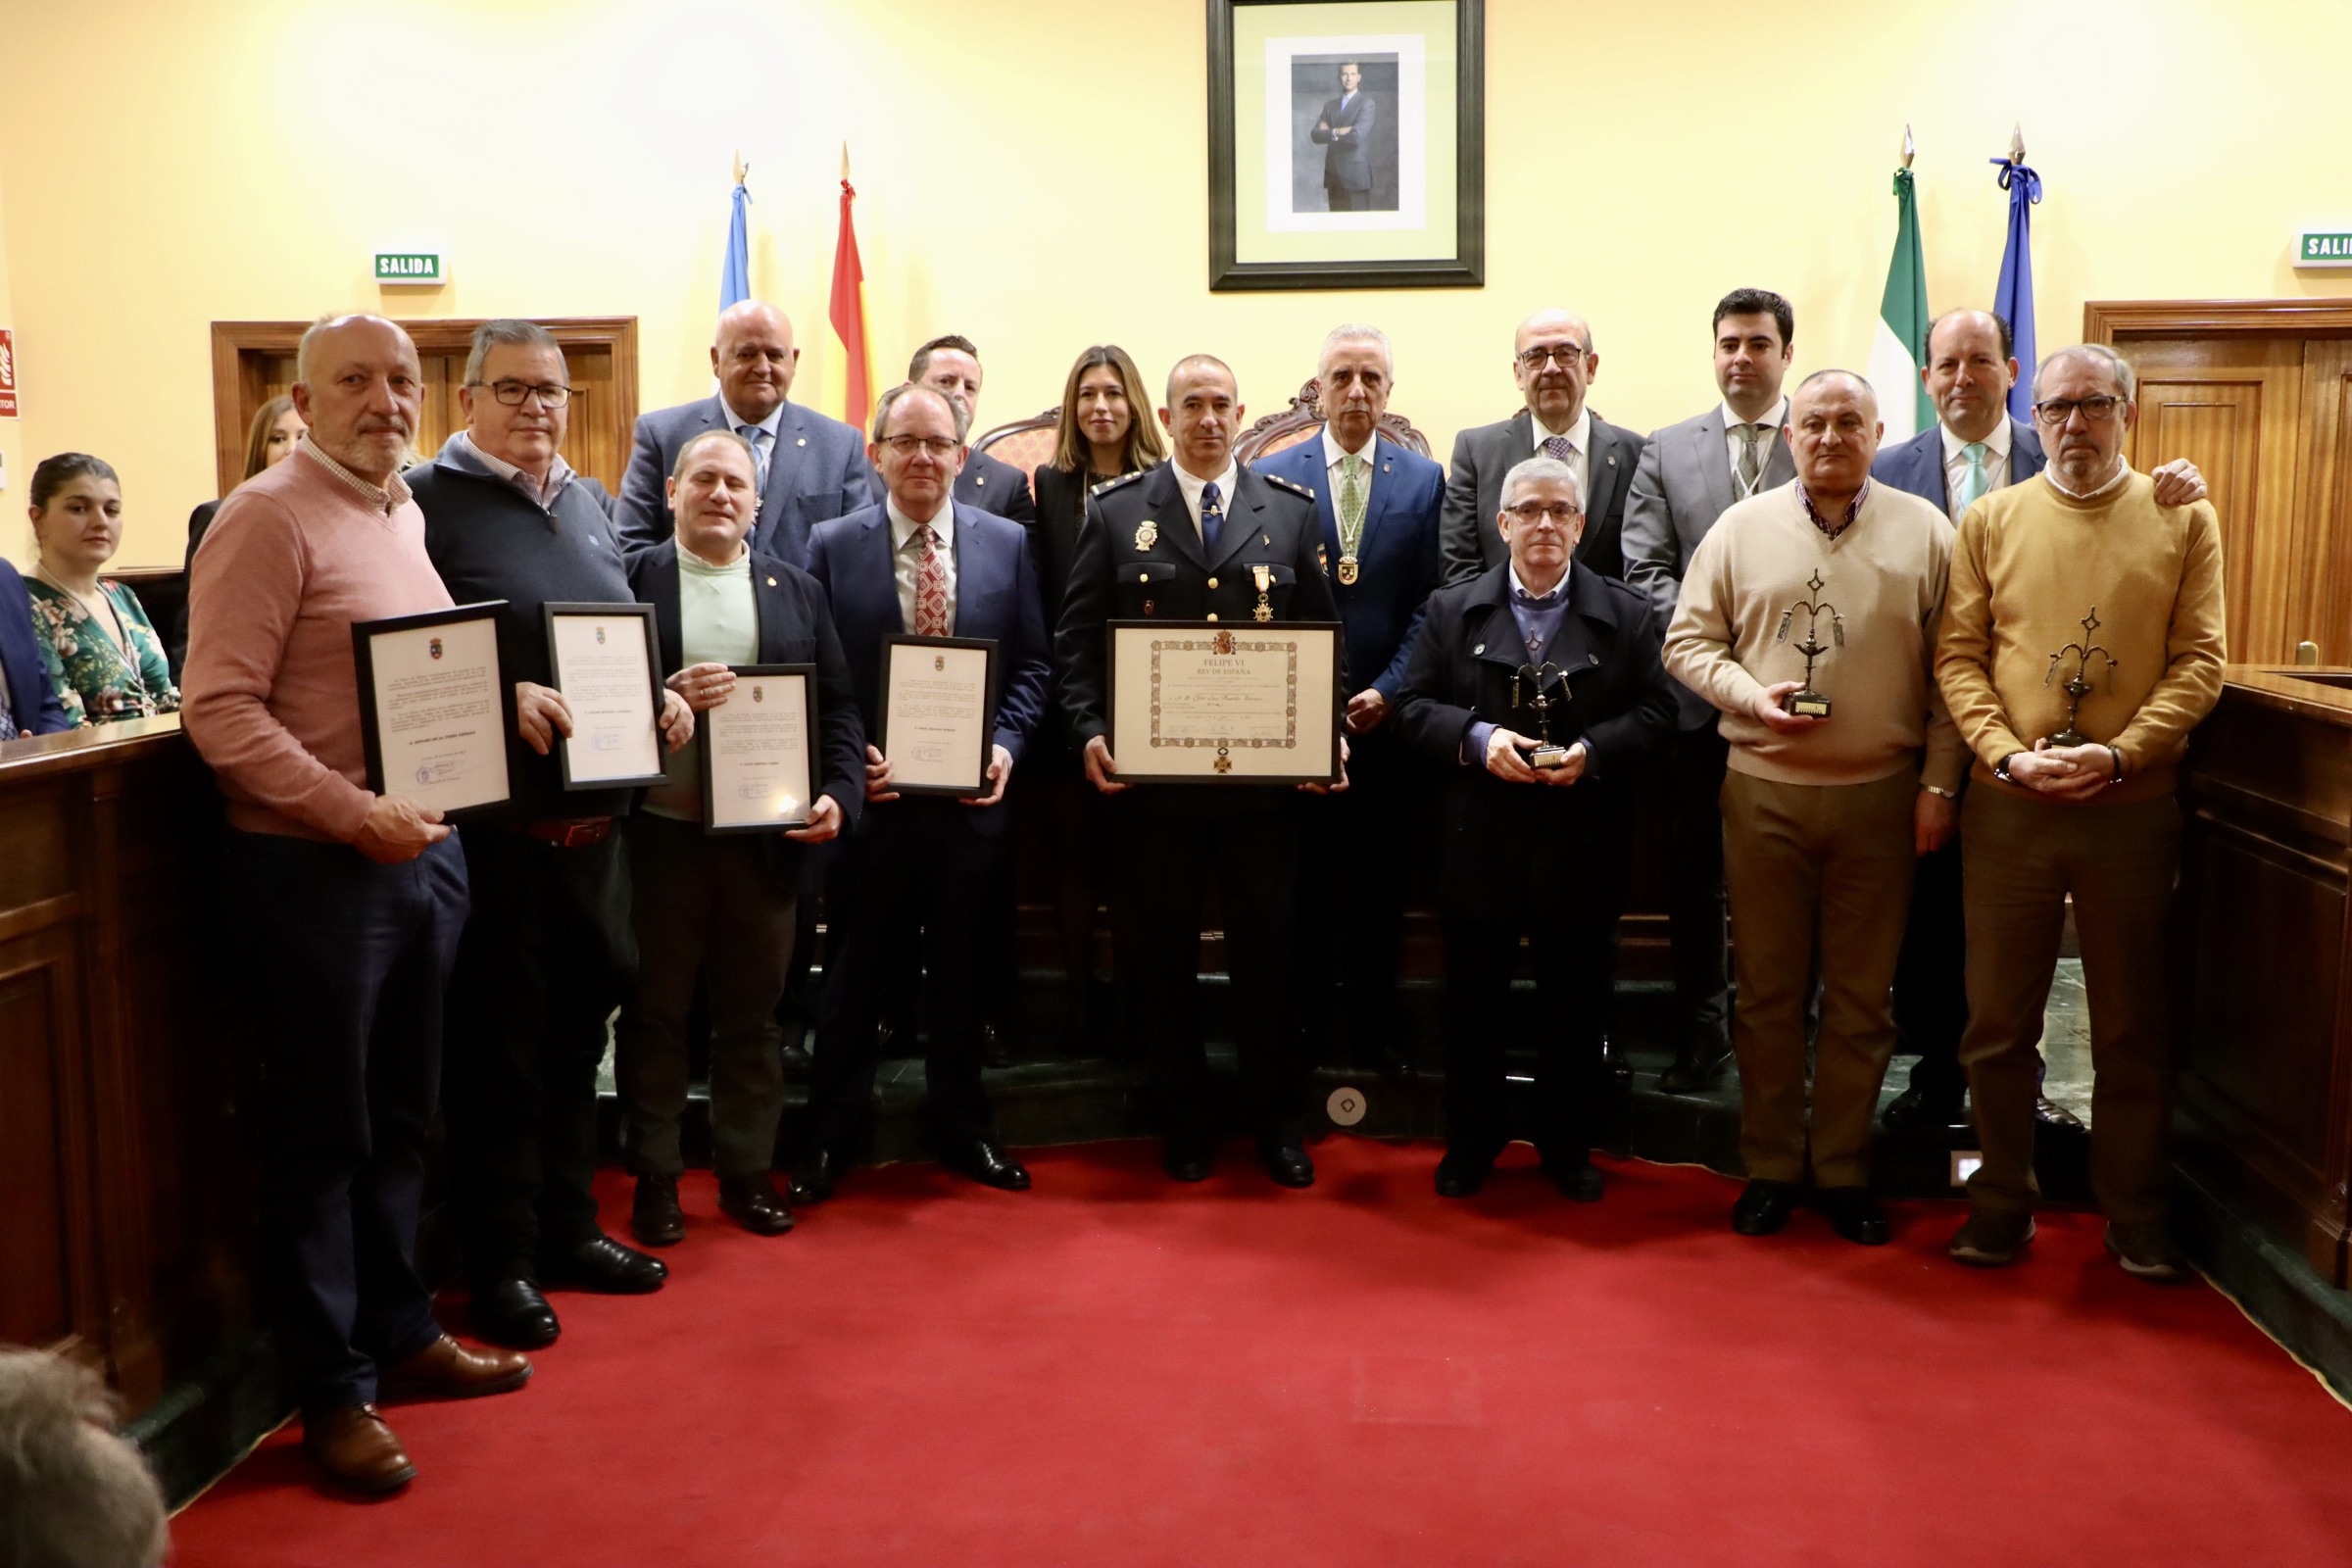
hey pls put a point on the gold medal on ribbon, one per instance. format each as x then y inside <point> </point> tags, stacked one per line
<point>1264,578</point>
<point>1146,534</point>
<point>1347,572</point>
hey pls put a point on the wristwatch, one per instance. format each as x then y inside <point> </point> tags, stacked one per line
<point>2000,769</point>
<point>1937,789</point>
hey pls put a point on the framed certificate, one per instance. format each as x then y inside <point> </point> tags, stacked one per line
<point>938,714</point>
<point>1200,703</point>
<point>608,665</point>
<point>432,708</point>
<point>757,775</point>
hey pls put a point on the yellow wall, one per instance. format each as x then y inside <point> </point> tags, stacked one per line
<point>1034,174</point>
<point>12,461</point>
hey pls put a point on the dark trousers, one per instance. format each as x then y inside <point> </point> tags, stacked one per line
<point>1167,863</point>
<point>914,872</point>
<point>1930,978</point>
<point>548,954</point>
<point>1355,858</point>
<point>341,966</point>
<point>1058,818</point>
<point>1698,927</point>
<point>1344,200</point>
<point>706,905</point>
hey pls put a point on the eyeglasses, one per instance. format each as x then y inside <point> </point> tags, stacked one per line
<point>942,447</point>
<point>1559,512</point>
<point>512,393</point>
<point>1568,353</point>
<point>2095,411</point>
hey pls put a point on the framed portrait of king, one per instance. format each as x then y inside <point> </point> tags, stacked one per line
<point>1346,144</point>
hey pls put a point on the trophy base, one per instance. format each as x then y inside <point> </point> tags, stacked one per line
<point>1807,705</point>
<point>1548,757</point>
<point>2070,736</point>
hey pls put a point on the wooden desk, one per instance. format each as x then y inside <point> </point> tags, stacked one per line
<point>125,1199</point>
<point>2266,934</point>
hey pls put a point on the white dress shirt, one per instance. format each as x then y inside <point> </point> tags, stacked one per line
<point>764,442</point>
<point>1580,443</point>
<point>1333,453</point>
<point>1190,488</point>
<point>1772,421</point>
<point>1955,462</point>
<point>906,557</point>
<point>558,475</point>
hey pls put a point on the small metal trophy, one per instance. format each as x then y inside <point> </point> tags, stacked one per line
<point>1805,702</point>
<point>2078,685</point>
<point>1543,703</point>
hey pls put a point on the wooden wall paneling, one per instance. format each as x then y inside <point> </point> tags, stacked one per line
<point>2322,606</point>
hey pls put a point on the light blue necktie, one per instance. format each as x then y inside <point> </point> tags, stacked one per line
<point>1213,517</point>
<point>1975,481</point>
<point>752,434</point>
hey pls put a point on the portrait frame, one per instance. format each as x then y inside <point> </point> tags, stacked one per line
<point>1421,222</point>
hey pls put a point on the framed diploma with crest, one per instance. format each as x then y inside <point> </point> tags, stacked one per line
<point>756,771</point>
<point>432,708</point>
<point>1211,702</point>
<point>938,719</point>
<point>608,665</point>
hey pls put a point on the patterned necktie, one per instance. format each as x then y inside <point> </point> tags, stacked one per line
<point>1556,448</point>
<point>1351,503</point>
<point>1975,481</point>
<point>1213,517</point>
<point>1748,472</point>
<point>930,585</point>
<point>752,434</point>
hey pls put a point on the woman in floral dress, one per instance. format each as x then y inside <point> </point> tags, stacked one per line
<point>104,659</point>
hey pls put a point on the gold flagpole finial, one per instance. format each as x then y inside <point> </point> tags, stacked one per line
<point>1910,148</point>
<point>2017,143</point>
<point>845,160</point>
<point>741,168</point>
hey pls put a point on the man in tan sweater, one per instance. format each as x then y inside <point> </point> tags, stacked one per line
<point>1822,817</point>
<point>2081,555</point>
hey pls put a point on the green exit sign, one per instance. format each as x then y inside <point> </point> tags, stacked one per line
<point>2315,249</point>
<point>409,267</point>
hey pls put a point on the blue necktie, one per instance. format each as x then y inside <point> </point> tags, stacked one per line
<point>1212,518</point>
<point>752,434</point>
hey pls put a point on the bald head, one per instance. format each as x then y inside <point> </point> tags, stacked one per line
<point>1553,362</point>
<point>754,359</point>
<point>359,388</point>
<point>1202,415</point>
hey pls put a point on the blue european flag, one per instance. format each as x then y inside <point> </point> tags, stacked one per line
<point>735,276</point>
<point>2013,296</point>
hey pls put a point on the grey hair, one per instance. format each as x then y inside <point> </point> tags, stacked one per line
<point>1356,332</point>
<point>1858,379</point>
<point>956,410</point>
<point>506,329</point>
<point>1528,470</point>
<point>2127,381</point>
<point>678,469</point>
<point>72,1492</point>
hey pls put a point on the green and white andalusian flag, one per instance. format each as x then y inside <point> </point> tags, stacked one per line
<point>1899,348</point>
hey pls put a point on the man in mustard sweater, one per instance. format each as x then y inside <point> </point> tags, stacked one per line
<point>1822,817</point>
<point>2081,555</point>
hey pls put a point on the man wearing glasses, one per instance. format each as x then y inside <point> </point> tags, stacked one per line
<point>1553,362</point>
<point>2083,562</point>
<point>811,468</point>
<point>548,951</point>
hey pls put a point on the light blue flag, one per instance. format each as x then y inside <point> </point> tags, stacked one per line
<point>735,276</point>
<point>2013,296</point>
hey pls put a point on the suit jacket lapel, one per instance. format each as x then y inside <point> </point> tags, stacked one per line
<point>1714,462</point>
<point>783,470</point>
<point>1782,465</point>
<point>1166,503</point>
<point>881,568</point>
<point>668,618</point>
<point>1242,508</point>
<point>2025,456</point>
<point>1608,471</point>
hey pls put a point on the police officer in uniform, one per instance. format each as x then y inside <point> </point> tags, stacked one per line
<point>1202,538</point>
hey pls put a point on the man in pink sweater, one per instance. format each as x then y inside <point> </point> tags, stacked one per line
<point>345,904</point>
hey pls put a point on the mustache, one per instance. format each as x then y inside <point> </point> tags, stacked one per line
<point>378,424</point>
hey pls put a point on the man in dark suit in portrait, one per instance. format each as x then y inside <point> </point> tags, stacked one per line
<point>1689,473</point>
<point>1534,843</point>
<point>922,562</point>
<point>1345,132</point>
<point>1553,359</point>
<point>953,365</point>
<point>1975,448</point>
<point>811,468</point>
<point>1378,506</point>
<point>1193,539</point>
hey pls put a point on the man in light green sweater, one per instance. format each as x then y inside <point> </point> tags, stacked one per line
<point>1822,815</point>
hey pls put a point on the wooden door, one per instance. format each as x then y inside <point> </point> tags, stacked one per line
<point>2253,392</point>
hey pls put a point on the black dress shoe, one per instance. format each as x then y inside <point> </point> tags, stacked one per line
<point>602,1264</point>
<point>1614,1062</point>
<point>1461,1173</point>
<point>512,1312</point>
<point>1763,1208</point>
<point>1186,1162</point>
<point>655,1218</point>
<point>2050,1114</point>
<point>813,1177</point>
<point>798,1064</point>
<point>1287,1163</point>
<point>1854,1214</point>
<point>986,1163</point>
<point>1581,1181</point>
<point>752,1202</point>
<point>1920,1109</point>
<point>1694,1071</point>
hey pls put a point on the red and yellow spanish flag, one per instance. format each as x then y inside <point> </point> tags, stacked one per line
<point>849,311</point>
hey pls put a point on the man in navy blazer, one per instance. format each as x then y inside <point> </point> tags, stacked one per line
<point>887,571</point>
<point>1344,131</point>
<point>1380,551</point>
<point>31,708</point>
<point>811,468</point>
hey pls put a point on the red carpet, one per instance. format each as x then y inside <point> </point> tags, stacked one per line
<point>1115,1370</point>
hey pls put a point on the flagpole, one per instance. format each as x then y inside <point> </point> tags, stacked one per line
<point>1899,347</point>
<point>2012,294</point>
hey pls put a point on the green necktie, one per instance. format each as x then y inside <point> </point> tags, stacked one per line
<point>1749,471</point>
<point>1975,481</point>
<point>1351,503</point>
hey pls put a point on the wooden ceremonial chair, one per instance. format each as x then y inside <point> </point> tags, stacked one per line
<point>1026,444</point>
<point>1301,419</point>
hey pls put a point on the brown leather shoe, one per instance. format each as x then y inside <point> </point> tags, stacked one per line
<point>754,1202</point>
<point>356,1450</point>
<point>447,1370</point>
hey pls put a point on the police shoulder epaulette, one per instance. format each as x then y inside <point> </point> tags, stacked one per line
<point>1292,485</point>
<point>1112,485</point>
